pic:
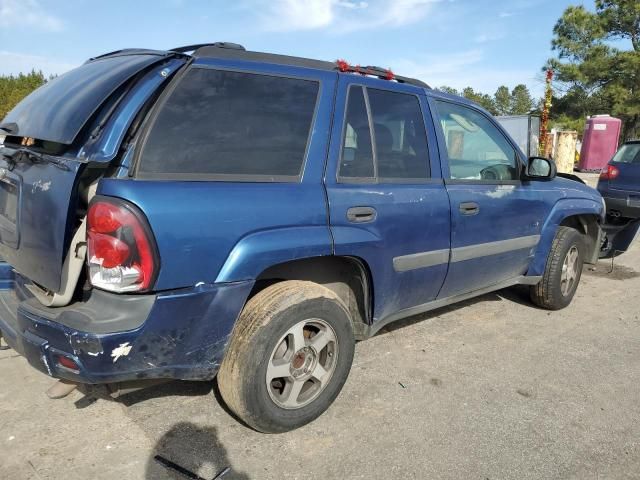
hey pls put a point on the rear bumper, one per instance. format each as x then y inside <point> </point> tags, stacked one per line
<point>177,335</point>
<point>621,203</point>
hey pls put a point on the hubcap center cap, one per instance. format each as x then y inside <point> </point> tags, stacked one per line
<point>302,362</point>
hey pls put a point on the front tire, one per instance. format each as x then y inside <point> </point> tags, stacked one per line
<point>562,272</point>
<point>289,356</point>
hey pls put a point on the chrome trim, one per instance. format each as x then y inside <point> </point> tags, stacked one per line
<point>461,254</point>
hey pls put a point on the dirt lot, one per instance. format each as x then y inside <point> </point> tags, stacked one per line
<point>489,389</point>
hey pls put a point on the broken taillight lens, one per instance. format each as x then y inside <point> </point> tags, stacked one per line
<point>67,363</point>
<point>121,250</point>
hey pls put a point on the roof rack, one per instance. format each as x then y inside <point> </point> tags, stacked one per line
<point>197,46</point>
<point>214,51</point>
<point>127,51</point>
<point>185,49</point>
<point>235,51</point>
<point>382,73</point>
<point>224,50</point>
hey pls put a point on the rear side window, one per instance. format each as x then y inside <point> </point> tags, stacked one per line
<point>394,121</point>
<point>231,125</point>
<point>357,152</point>
<point>401,139</point>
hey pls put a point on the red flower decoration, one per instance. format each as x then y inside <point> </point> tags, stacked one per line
<point>343,66</point>
<point>390,75</point>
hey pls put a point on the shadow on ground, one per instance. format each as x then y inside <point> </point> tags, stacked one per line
<point>167,389</point>
<point>612,271</point>
<point>518,294</point>
<point>196,449</point>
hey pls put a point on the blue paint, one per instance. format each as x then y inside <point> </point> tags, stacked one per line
<point>183,337</point>
<point>37,243</point>
<point>116,128</point>
<point>215,238</point>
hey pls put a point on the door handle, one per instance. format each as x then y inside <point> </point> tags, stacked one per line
<point>361,214</point>
<point>469,208</point>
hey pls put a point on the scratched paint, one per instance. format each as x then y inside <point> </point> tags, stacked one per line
<point>40,185</point>
<point>121,351</point>
<point>501,191</point>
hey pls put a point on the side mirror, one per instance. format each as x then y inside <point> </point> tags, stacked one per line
<point>540,168</point>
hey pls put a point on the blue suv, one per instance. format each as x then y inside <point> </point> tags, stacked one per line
<point>166,215</point>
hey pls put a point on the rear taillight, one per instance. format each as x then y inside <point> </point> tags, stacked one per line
<point>67,363</point>
<point>609,172</point>
<point>121,250</point>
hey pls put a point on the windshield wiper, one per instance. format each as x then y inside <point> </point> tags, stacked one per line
<point>24,154</point>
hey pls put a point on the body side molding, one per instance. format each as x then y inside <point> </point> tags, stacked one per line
<point>460,254</point>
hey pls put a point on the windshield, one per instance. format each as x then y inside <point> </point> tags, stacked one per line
<point>58,110</point>
<point>628,153</point>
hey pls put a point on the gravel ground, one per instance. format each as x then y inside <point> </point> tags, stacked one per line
<point>492,388</point>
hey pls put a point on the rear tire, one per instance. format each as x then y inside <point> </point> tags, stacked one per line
<point>289,356</point>
<point>562,272</point>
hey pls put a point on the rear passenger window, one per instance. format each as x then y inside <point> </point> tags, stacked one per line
<point>357,153</point>
<point>401,139</point>
<point>399,135</point>
<point>231,125</point>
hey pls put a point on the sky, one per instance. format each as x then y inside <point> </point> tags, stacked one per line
<point>459,43</point>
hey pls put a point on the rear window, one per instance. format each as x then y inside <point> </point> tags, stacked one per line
<point>231,126</point>
<point>629,153</point>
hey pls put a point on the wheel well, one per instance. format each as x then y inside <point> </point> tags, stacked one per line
<point>589,226</point>
<point>347,277</point>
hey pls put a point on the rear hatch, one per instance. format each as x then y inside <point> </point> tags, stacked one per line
<point>42,160</point>
<point>627,161</point>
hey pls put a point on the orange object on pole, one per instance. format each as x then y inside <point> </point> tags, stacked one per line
<point>544,118</point>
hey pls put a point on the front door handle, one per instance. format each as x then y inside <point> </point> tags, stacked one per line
<point>469,208</point>
<point>361,214</point>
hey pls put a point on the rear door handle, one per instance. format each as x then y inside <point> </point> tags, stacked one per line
<point>361,214</point>
<point>469,208</point>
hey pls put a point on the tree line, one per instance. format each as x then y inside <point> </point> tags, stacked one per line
<point>503,102</point>
<point>14,88</point>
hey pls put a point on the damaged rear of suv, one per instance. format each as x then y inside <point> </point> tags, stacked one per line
<point>83,265</point>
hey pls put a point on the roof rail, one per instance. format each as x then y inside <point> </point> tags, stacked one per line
<point>382,73</point>
<point>214,51</point>
<point>128,51</point>
<point>234,51</point>
<point>193,48</point>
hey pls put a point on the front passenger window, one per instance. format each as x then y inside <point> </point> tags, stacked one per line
<point>477,150</point>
